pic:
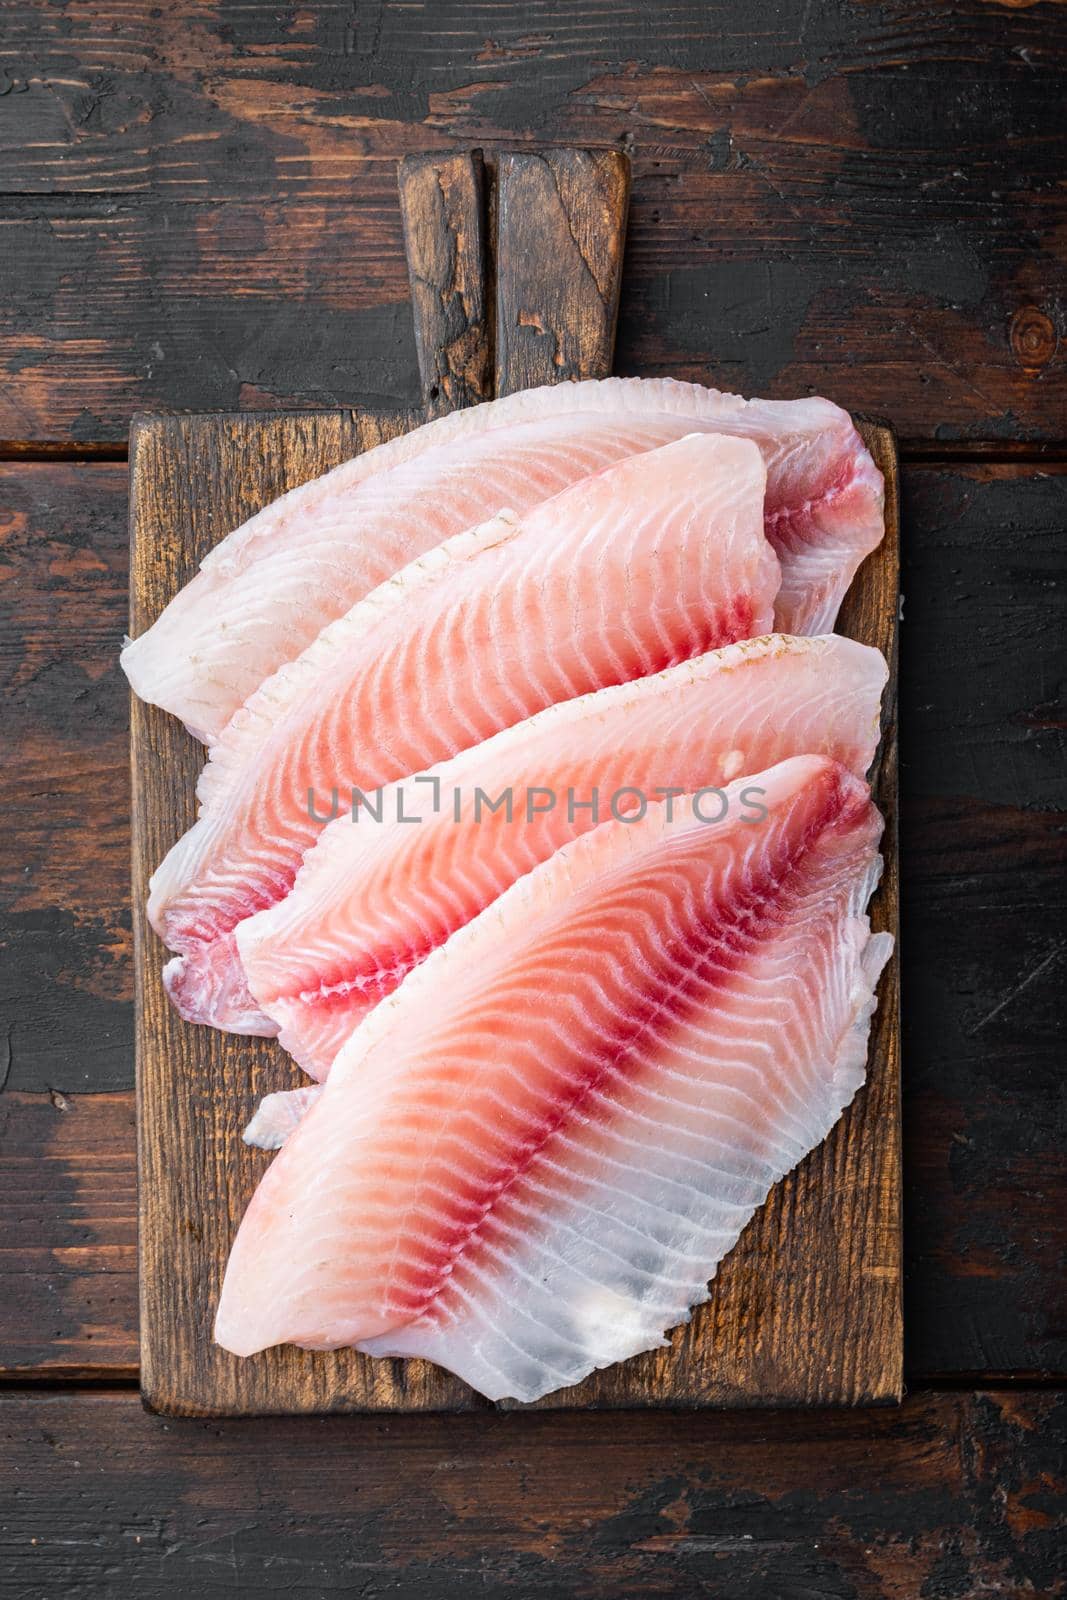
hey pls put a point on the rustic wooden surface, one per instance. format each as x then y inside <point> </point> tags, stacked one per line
<point>951,1497</point>
<point>198,209</point>
<point>806,1310</point>
<point>864,200</point>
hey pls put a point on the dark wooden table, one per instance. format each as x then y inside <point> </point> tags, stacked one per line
<point>198,209</point>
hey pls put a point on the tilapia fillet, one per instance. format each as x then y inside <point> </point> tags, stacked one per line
<point>528,1162</point>
<point>658,558</point>
<point>267,590</point>
<point>378,893</point>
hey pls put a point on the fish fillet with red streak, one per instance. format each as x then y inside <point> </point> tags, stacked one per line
<point>266,591</point>
<point>654,560</point>
<point>530,1159</point>
<point>373,898</point>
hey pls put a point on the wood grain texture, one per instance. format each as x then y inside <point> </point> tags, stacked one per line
<point>69,1287</point>
<point>444,205</point>
<point>198,204</point>
<point>66,977</point>
<point>982,866</point>
<point>563,214</point>
<point>807,1307</point>
<point>949,1497</point>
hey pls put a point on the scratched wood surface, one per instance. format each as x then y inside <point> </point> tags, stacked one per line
<point>949,1497</point>
<point>198,208</point>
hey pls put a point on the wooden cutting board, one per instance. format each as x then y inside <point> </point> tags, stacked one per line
<point>807,1309</point>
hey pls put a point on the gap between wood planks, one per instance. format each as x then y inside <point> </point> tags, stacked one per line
<point>126,1380</point>
<point>913,452</point>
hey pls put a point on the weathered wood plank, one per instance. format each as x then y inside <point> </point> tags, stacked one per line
<point>66,977</point>
<point>951,1495</point>
<point>984,848</point>
<point>981,877</point>
<point>68,1246</point>
<point>444,205</point>
<point>563,213</point>
<point>198,208</point>
<point>983,611</point>
<point>984,912</point>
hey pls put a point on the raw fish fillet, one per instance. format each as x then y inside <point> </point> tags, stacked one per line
<point>268,589</point>
<point>529,1160</point>
<point>278,1115</point>
<point>373,898</point>
<point>657,558</point>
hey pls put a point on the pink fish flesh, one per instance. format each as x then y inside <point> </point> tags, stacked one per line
<point>530,1159</point>
<point>658,558</point>
<point>267,590</point>
<point>373,898</point>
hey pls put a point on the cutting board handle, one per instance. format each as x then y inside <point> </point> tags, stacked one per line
<point>561,229</point>
<point>546,309</point>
